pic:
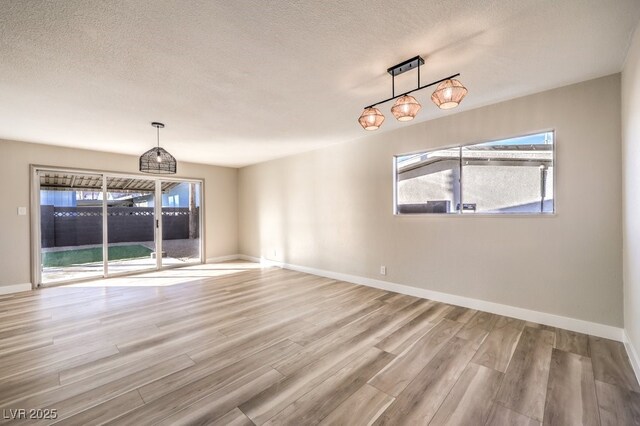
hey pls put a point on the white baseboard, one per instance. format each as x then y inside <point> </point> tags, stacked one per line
<point>633,355</point>
<point>223,258</point>
<point>573,324</point>
<point>15,288</point>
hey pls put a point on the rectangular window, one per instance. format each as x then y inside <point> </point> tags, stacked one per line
<point>508,176</point>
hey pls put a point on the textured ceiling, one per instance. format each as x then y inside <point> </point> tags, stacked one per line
<point>238,82</point>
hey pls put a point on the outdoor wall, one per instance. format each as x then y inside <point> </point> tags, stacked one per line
<point>220,199</point>
<point>76,226</point>
<point>331,209</point>
<point>631,191</point>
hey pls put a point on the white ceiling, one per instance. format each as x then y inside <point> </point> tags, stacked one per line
<point>239,82</point>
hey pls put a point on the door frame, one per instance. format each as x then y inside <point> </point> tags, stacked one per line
<point>36,249</point>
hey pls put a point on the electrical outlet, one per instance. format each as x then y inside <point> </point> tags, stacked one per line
<point>22,211</point>
<point>383,270</point>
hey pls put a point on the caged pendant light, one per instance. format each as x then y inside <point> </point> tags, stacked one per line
<point>448,94</point>
<point>157,160</point>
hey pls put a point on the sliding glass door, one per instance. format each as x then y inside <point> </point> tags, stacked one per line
<point>180,222</point>
<point>131,224</point>
<point>151,223</point>
<point>71,237</point>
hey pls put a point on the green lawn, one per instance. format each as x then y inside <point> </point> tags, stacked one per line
<point>90,255</point>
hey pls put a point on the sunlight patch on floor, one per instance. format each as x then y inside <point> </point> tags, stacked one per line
<point>174,276</point>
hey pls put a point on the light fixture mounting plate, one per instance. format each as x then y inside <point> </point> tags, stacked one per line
<point>157,125</point>
<point>408,65</point>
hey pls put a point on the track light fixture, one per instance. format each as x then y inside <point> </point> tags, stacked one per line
<point>448,94</point>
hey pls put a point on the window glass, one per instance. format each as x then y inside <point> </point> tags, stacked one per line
<point>509,176</point>
<point>500,177</point>
<point>428,182</point>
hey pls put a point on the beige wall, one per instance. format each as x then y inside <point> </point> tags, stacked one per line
<point>220,199</point>
<point>331,209</point>
<point>631,191</point>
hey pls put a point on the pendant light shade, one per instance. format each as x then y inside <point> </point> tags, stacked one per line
<point>371,119</point>
<point>449,94</point>
<point>157,160</point>
<point>405,108</point>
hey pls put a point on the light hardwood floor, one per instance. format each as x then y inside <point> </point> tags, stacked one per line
<point>233,344</point>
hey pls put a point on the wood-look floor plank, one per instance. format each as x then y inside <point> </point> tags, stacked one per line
<point>234,417</point>
<point>398,341</point>
<point>496,350</point>
<point>470,400</point>
<point>176,402</point>
<point>400,301</point>
<point>134,357</point>
<point>525,383</point>
<point>26,385</point>
<point>611,363</point>
<point>242,327</point>
<point>53,356</point>
<point>313,334</point>
<point>16,318</point>
<point>618,406</point>
<point>259,297</point>
<point>9,393</point>
<point>478,327</point>
<point>337,309</point>
<point>509,322</point>
<point>215,405</point>
<point>571,391</point>
<point>217,371</point>
<point>543,327</point>
<point>271,401</point>
<point>23,344</point>
<point>164,338</point>
<point>397,375</point>
<point>570,341</point>
<point>254,341</point>
<point>316,404</point>
<point>370,331</point>
<point>419,401</point>
<point>502,416</point>
<point>77,397</point>
<point>484,320</point>
<point>102,413</point>
<point>360,409</point>
<point>460,314</point>
<point>114,334</point>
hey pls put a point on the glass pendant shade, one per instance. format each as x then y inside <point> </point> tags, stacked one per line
<point>449,94</point>
<point>371,119</point>
<point>405,108</point>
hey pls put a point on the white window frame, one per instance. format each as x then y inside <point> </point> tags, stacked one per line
<point>460,213</point>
